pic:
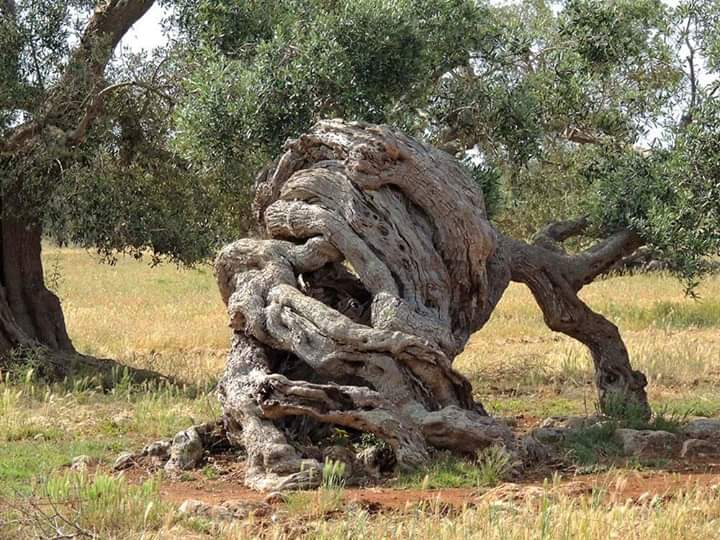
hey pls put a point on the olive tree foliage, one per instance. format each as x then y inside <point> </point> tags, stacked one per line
<point>567,108</point>
<point>110,180</point>
<point>264,71</point>
<point>597,109</point>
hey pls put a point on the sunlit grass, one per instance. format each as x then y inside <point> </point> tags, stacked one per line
<point>172,320</point>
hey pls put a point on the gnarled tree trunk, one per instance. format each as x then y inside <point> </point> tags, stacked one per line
<point>377,265</point>
<point>372,279</point>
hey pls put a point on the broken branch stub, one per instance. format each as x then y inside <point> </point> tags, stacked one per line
<point>369,281</point>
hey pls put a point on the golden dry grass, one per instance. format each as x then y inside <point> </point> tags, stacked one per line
<point>172,320</point>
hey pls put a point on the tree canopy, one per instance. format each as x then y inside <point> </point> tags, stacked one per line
<point>567,108</point>
<point>561,109</point>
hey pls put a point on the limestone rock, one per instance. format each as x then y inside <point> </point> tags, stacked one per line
<point>376,460</point>
<point>571,422</point>
<point>226,511</point>
<point>81,463</point>
<point>275,497</point>
<point>342,455</point>
<point>533,450</point>
<point>646,443</point>
<point>186,450</point>
<point>703,428</point>
<point>548,435</point>
<point>194,507</point>
<point>159,449</point>
<point>700,448</point>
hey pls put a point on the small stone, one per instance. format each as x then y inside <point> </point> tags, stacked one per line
<point>376,460</point>
<point>186,451</point>
<point>81,463</point>
<point>533,451</point>
<point>221,512</point>
<point>159,449</point>
<point>242,509</point>
<point>124,461</point>
<point>700,448</point>
<point>646,443</point>
<point>194,507</point>
<point>121,418</point>
<point>341,454</point>
<point>703,428</point>
<point>571,422</point>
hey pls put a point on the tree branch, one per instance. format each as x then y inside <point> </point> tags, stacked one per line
<point>554,280</point>
<point>93,110</point>
<point>579,136</point>
<point>83,75</point>
<point>584,267</point>
<point>602,256</point>
<point>554,233</point>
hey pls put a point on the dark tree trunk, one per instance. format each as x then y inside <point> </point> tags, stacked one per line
<point>29,312</point>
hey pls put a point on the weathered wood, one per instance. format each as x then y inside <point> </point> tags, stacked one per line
<point>371,279</point>
<point>377,263</point>
<point>554,278</point>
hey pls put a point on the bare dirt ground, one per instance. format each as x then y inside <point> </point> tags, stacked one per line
<point>613,485</point>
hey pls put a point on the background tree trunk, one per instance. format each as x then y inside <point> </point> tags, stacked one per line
<point>29,312</point>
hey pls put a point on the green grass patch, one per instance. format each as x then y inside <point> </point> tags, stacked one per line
<point>693,405</point>
<point>593,444</point>
<point>596,443</point>
<point>534,405</point>
<point>25,463</point>
<point>491,467</point>
<point>77,505</point>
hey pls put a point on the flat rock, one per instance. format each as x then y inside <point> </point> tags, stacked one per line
<point>646,443</point>
<point>700,448</point>
<point>226,511</point>
<point>533,450</point>
<point>548,435</point>
<point>703,428</point>
<point>571,422</point>
<point>275,497</point>
<point>194,507</point>
<point>186,450</point>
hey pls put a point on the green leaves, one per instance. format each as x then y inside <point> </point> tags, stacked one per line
<point>251,86</point>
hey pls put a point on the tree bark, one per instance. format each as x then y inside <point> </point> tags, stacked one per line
<point>30,313</point>
<point>371,280</point>
<point>376,264</point>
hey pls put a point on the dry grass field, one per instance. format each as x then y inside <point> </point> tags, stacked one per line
<point>172,320</point>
